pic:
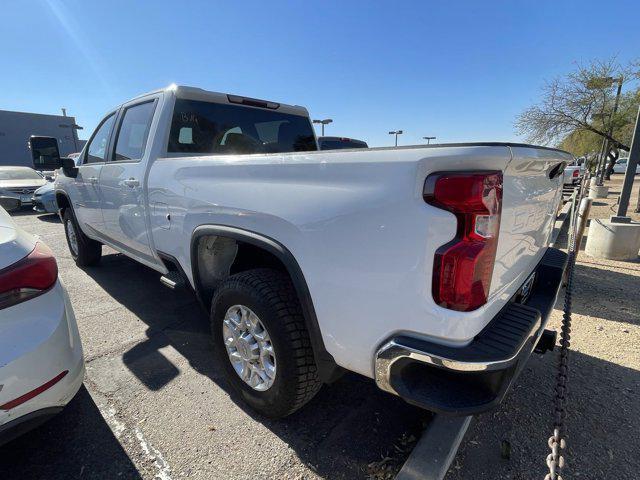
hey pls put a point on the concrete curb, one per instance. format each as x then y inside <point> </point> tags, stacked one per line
<point>436,449</point>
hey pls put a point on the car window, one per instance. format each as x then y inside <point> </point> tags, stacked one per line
<point>97,148</point>
<point>207,127</point>
<point>133,132</point>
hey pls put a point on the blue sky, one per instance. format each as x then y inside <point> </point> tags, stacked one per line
<point>458,70</point>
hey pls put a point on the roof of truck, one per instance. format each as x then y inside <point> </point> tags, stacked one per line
<point>195,93</point>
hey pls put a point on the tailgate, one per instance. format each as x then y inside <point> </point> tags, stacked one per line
<point>529,206</point>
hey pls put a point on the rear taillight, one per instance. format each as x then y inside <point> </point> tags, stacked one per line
<point>463,267</point>
<point>576,173</point>
<point>29,277</point>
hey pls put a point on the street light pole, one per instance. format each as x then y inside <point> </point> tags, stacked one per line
<point>396,133</point>
<point>603,149</point>
<point>605,82</point>
<point>611,119</point>
<point>634,156</point>
<point>324,122</point>
<point>428,139</point>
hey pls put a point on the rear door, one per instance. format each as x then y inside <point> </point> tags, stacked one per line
<point>122,179</point>
<point>84,190</point>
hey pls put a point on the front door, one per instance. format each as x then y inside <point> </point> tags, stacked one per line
<point>122,181</point>
<point>87,197</point>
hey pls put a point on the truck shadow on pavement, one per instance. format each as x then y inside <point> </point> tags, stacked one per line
<point>347,426</point>
<point>77,443</point>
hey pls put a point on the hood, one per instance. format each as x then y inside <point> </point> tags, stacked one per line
<point>30,182</point>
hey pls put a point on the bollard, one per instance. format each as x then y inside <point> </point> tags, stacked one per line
<point>583,217</point>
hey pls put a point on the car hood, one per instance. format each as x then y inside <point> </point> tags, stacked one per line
<point>30,182</point>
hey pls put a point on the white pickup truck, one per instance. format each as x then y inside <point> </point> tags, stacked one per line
<point>573,174</point>
<point>426,268</point>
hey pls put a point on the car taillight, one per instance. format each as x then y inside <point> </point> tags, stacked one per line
<point>463,267</point>
<point>28,277</point>
<point>576,173</point>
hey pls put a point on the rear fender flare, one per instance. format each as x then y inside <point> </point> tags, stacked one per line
<point>324,360</point>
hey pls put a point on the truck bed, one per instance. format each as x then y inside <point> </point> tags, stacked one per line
<point>357,224</point>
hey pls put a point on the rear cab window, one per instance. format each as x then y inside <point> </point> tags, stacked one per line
<point>202,127</point>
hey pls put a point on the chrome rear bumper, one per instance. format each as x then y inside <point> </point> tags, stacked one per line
<point>474,378</point>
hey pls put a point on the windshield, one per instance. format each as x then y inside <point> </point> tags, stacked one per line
<point>205,127</point>
<point>338,144</point>
<point>19,173</point>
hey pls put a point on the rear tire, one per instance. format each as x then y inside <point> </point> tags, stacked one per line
<point>84,251</point>
<point>269,296</point>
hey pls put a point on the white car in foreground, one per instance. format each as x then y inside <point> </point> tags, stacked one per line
<point>41,360</point>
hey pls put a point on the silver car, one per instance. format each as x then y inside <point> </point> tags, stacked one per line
<point>20,182</point>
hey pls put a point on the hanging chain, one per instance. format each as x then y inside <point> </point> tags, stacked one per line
<point>557,443</point>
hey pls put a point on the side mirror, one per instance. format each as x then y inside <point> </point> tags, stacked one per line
<point>69,167</point>
<point>10,204</point>
<point>44,152</point>
<point>51,163</point>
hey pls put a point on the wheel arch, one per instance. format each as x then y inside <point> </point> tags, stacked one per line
<point>63,202</point>
<point>327,368</point>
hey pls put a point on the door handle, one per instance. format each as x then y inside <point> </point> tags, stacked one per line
<point>93,179</point>
<point>132,182</point>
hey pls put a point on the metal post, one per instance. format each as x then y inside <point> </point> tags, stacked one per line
<point>615,109</point>
<point>324,122</point>
<point>396,133</point>
<point>598,165</point>
<point>583,216</point>
<point>634,156</point>
<point>603,161</point>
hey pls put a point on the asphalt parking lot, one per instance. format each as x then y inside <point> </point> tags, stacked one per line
<point>155,405</point>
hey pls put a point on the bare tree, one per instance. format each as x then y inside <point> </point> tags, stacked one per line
<point>582,101</point>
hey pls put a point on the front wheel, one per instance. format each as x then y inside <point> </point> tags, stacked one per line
<point>262,343</point>
<point>84,251</point>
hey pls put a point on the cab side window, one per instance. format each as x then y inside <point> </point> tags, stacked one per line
<point>133,132</point>
<point>97,148</point>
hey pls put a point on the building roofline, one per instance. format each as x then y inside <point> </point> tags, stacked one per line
<point>39,114</point>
